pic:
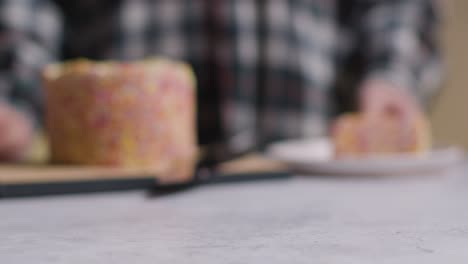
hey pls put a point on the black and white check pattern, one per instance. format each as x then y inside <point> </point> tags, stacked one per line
<point>266,69</point>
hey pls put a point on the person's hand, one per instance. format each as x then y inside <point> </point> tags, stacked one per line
<point>16,133</point>
<point>379,98</point>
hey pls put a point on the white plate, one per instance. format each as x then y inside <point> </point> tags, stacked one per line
<point>316,156</point>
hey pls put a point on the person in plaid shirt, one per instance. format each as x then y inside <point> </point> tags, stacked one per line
<point>266,69</point>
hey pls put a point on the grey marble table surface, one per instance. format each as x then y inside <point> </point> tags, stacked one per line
<point>419,219</point>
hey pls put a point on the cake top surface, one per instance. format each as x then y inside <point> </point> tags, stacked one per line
<point>110,68</point>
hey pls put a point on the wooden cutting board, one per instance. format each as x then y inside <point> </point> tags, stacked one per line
<point>18,174</point>
<point>32,180</point>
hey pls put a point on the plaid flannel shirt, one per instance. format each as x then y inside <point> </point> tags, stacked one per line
<point>266,69</point>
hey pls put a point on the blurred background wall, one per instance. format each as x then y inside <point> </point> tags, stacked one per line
<point>450,110</point>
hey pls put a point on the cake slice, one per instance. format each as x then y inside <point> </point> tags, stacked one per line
<point>355,135</point>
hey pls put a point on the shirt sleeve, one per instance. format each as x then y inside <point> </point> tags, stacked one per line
<point>399,38</point>
<point>30,32</point>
